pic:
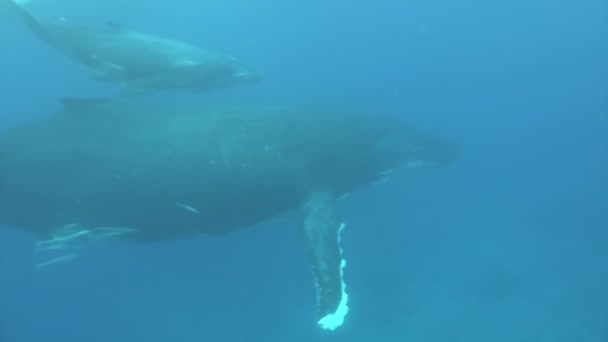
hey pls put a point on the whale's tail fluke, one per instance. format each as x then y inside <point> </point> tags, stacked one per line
<point>13,9</point>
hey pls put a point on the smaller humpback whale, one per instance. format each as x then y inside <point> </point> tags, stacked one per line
<point>120,170</point>
<point>141,62</point>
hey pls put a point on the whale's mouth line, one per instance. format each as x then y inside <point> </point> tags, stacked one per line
<point>384,175</point>
<point>249,76</point>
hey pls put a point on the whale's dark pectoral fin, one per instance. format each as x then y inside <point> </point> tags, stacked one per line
<point>321,228</point>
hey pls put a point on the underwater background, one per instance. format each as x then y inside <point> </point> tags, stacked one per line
<point>509,243</point>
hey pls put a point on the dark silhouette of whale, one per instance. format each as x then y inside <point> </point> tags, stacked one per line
<point>141,172</point>
<point>141,62</point>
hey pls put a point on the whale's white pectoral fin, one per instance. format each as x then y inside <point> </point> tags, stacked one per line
<point>321,228</point>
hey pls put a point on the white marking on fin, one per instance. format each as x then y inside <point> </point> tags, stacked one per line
<point>61,241</point>
<point>336,319</point>
<point>344,195</point>
<point>104,232</point>
<point>56,260</point>
<point>381,181</point>
<point>187,207</point>
<point>65,237</point>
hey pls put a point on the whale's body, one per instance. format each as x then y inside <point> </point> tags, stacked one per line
<point>141,62</point>
<point>153,173</point>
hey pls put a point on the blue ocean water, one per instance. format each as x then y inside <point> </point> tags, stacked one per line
<point>510,243</point>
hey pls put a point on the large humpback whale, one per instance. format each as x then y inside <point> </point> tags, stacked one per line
<point>144,173</point>
<point>141,62</point>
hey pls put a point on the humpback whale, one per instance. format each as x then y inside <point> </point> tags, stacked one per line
<point>140,172</point>
<point>141,62</point>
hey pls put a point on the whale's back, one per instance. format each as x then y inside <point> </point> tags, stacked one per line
<point>174,172</point>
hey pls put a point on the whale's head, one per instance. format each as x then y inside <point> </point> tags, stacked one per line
<point>244,74</point>
<point>226,71</point>
<point>397,146</point>
<point>358,149</point>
